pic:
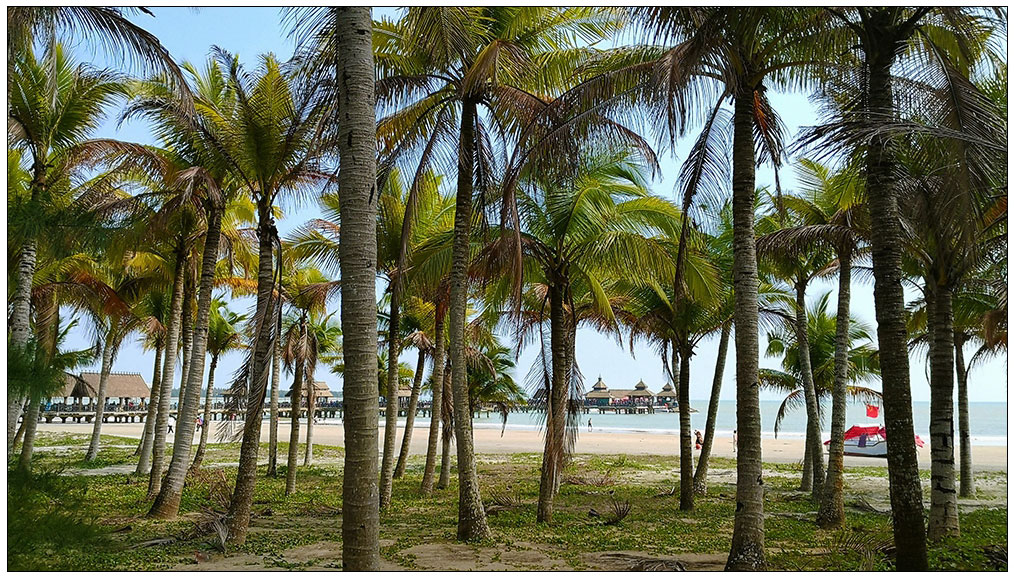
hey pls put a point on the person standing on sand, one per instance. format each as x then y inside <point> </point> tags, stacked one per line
<point>735,441</point>
<point>699,442</point>
<point>589,425</point>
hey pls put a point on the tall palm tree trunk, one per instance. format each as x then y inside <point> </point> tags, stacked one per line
<point>203,444</point>
<point>311,411</point>
<point>276,369</point>
<point>436,408</point>
<point>187,337</point>
<point>943,515</point>
<point>686,440</point>
<point>446,434</point>
<point>814,446</point>
<point>47,324</point>
<point>413,402</point>
<point>556,404</point>
<point>358,254</point>
<point>166,383</point>
<point>472,524</point>
<point>831,514</point>
<point>167,504</point>
<point>260,365</point>
<point>747,550</point>
<point>445,453</point>
<point>20,327</point>
<point>29,424</point>
<point>148,436</point>
<point>296,397</point>
<point>892,335</point>
<point>964,434</point>
<point>806,481</point>
<point>391,396</point>
<point>701,474</point>
<point>100,405</point>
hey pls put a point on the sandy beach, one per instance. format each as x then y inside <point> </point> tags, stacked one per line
<point>489,441</point>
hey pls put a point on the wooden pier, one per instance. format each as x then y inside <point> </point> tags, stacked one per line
<point>217,414</point>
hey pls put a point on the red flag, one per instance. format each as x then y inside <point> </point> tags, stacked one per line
<point>872,411</point>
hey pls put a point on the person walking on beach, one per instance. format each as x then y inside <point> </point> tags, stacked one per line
<point>699,442</point>
<point>171,422</point>
<point>735,440</point>
<point>589,425</point>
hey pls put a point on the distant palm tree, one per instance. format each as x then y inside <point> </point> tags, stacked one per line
<point>829,214</point>
<point>577,235</point>
<point>307,291</point>
<point>863,360</point>
<point>438,68</point>
<point>39,372</point>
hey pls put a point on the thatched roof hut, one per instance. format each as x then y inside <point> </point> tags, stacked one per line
<point>667,393</point>
<point>599,391</point>
<point>118,385</point>
<point>320,391</point>
<point>640,391</point>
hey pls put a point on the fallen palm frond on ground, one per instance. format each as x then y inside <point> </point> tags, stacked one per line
<point>618,510</point>
<point>503,500</point>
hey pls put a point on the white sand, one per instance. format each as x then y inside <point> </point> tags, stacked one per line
<point>489,441</point>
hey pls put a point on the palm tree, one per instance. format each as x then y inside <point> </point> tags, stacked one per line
<point>154,307</point>
<point>203,178</point>
<point>357,181</point>
<point>718,54</point>
<point>267,141</point>
<point>417,315</point>
<point>798,267</point>
<point>113,320</point>
<point>870,119</point>
<point>863,361</point>
<point>576,232</point>
<point>490,381</point>
<point>40,375</point>
<point>223,336</point>
<point>440,67</point>
<point>675,326</point>
<point>946,211</point>
<point>829,209</point>
<point>53,105</point>
<point>720,254</point>
<point>308,337</point>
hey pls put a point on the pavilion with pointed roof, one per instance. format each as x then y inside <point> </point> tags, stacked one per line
<point>667,396</point>
<point>599,395</point>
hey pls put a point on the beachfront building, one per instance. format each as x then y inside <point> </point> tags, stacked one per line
<point>599,395</point>
<point>667,397</point>
<point>321,393</point>
<point>639,396</point>
<point>124,391</point>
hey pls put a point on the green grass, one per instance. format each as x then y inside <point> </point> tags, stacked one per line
<point>107,515</point>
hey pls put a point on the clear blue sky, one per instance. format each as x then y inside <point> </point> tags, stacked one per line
<point>189,34</point>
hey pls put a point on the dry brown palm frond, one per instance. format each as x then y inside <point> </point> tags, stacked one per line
<point>503,500</point>
<point>872,547</point>
<point>620,510</point>
<point>602,480</point>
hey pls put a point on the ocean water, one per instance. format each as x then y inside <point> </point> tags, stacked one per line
<point>988,421</point>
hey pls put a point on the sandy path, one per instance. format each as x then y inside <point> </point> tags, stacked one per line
<point>489,441</point>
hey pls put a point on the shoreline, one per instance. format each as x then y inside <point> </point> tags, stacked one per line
<point>489,441</point>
